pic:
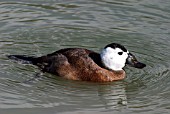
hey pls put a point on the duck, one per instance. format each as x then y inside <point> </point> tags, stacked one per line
<point>85,65</point>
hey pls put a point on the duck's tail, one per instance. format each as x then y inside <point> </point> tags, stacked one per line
<point>23,59</point>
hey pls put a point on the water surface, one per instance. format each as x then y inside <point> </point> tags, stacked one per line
<point>38,27</point>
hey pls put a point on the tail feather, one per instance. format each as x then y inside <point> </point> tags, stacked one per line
<point>23,58</point>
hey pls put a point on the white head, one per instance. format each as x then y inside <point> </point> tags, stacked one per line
<point>114,56</point>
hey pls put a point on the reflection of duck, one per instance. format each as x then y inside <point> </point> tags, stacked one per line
<point>86,65</point>
<point>113,95</point>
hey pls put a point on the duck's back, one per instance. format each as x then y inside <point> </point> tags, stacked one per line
<point>77,64</point>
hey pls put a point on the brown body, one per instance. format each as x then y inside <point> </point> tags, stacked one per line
<point>77,64</point>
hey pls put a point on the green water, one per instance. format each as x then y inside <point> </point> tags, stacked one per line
<point>38,27</point>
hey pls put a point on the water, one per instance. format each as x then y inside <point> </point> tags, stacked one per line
<point>43,26</point>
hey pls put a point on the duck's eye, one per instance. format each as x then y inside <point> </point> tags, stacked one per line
<point>120,53</point>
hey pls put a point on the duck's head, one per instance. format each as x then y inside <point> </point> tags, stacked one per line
<point>115,56</point>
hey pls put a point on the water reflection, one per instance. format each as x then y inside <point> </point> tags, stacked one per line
<point>82,95</point>
<point>113,96</point>
<point>57,92</point>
